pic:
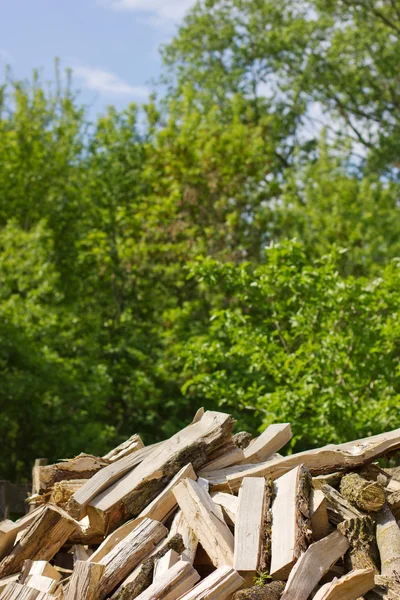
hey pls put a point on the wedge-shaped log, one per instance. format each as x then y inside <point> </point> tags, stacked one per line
<point>313,564</point>
<point>249,525</point>
<point>176,581</point>
<point>129,553</point>
<point>83,466</point>
<point>227,455</point>
<point>132,444</point>
<point>9,530</point>
<point>17,591</point>
<point>104,479</point>
<point>349,587</point>
<point>129,496</point>
<point>229,504</point>
<point>85,581</point>
<point>113,539</point>
<point>161,565</point>
<point>291,525</point>
<point>388,539</point>
<point>39,567</point>
<point>205,519</point>
<point>41,583</point>
<point>319,515</point>
<point>339,509</point>
<point>326,459</point>
<point>220,585</point>
<point>41,541</point>
<point>272,439</point>
<point>181,527</point>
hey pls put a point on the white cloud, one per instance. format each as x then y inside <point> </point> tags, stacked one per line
<point>162,9</point>
<point>108,83</point>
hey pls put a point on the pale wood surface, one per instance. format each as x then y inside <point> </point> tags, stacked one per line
<point>270,441</point>
<point>133,444</point>
<point>181,526</point>
<point>319,515</point>
<point>249,524</point>
<point>218,586</point>
<point>161,565</point>
<point>313,564</point>
<point>130,551</point>
<point>224,457</point>
<point>80,467</point>
<point>176,581</point>
<point>205,519</point>
<point>349,587</point>
<point>131,494</point>
<point>85,581</point>
<point>9,530</point>
<point>43,567</point>
<point>229,504</point>
<point>113,539</point>
<point>41,583</point>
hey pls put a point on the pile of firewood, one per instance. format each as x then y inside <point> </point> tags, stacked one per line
<point>210,515</point>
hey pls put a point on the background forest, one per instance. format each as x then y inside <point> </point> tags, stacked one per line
<point>233,244</point>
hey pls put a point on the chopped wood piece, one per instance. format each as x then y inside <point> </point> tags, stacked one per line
<point>9,530</point>
<point>113,539</point>
<point>7,580</point>
<point>204,517</point>
<point>363,552</point>
<point>129,496</point>
<point>291,525</point>
<point>104,479</point>
<point>365,495</point>
<point>227,455</point>
<point>242,439</point>
<point>39,462</point>
<point>386,589</point>
<point>83,466</point>
<point>198,416</point>
<point>388,540</point>
<point>332,479</point>
<point>16,591</point>
<point>394,504</point>
<point>41,567</point>
<point>41,541</point>
<point>319,515</point>
<point>162,564</point>
<point>142,577</point>
<point>270,591</point>
<point>133,444</point>
<point>249,525</point>
<point>126,555</point>
<point>220,585</point>
<point>313,564</point>
<point>219,478</point>
<point>41,583</point>
<point>62,491</point>
<point>339,508</point>
<point>229,504</point>
<point>265,445</point>
<point>181,527</point>
<point>324,460</point>
<point>176,581</point>
<point>349,587</point>
<point>85,581</point>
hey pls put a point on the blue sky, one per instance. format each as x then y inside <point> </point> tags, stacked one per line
<point>112,45</point>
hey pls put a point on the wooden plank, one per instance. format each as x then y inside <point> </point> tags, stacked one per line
<point>313,564</point>
<point>265,445</point>
<point>249,525</point>
<point>161,565</point>
<point>290,521</point>
<point>205,519</point>
<point>220,585</point>
<point>104,479</point>
<point>131,494</point>
<point>132,444</point>
<point>176,581</point>
<point>319,515</point>
<point>130,551</point>
<point>326,459</point>
<point>82,466</point>
<point>113,539</point>
<point>181,527</point>
<point>41,541</point>
<point>349,587</point>
<point>85,581</point>
<point>229,504</point>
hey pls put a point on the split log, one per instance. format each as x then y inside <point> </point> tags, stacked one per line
<point>41,541</point>
<point>129,496</point>
<point>332,479</point>
<point>242,439</point>
<point>313,564</point>
<point>7,580</point>
<point>113,539</point>
<point>104,479</point>
<point>319,515</point>
<point>9,530</point>
<point>349,587</point>
<point>133,444</point>
<point>365,495</point>
<point>326,459</point>
<point>229,504</point>
<point>388,540</point>
<point>62,491</point>
<point>85,581</point>
<point>220,585</point>
<point>181,527</point>
<point>227,455</point>
<point>386,589</point>
<point>339,509</point>
<point>291,525</point>
<point>162,564</point>
<point>394,504</point>
<point>173,584</point>
<point>249,525</point>
<point>17,591</point>
<point>39,567</point>
<point>82,466</point>
<point>265,445</point>
<point>41,583</point>
<point>205,519</point>
<point>130,551</point>
<point>363,551</point>
<point>269,591</point>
